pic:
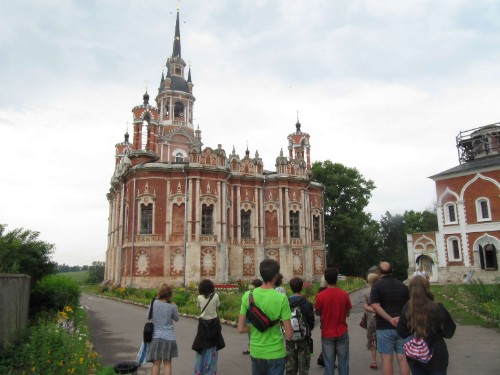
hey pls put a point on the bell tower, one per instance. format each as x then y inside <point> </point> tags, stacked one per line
<point>299,147</point>
<point>175,95</point>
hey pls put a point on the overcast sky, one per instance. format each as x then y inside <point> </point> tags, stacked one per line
<point>383,86</point>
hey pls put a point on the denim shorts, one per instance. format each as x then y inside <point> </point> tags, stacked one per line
<point>388,341</point>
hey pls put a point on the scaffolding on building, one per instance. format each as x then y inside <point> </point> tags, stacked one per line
<point>478,143</point>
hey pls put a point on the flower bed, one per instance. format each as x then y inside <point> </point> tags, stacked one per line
<point>226,287</point>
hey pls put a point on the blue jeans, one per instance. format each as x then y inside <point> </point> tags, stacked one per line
<point>336,347</point>
<point>268,366</point>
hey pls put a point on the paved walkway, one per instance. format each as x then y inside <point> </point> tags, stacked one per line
<point>116,332</point>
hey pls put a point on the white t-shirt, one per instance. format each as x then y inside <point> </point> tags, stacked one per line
<point>420,273</point>
<point>211,310</point>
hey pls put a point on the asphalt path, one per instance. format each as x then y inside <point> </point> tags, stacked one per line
<point>116,333</point>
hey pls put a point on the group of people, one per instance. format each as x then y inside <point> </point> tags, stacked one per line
<point>394,313</point>
<point>208,340</point>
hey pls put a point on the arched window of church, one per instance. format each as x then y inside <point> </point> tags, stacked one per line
<point>316,231</point>
<point>294,225</point>
<point>179,157</point>
<point>179,109</point>
<point>207,219</point>
<point>146,219</point>
<point>483,209</point>
<point>488,257</point>
<point>144,135</point>
<point>450,213</point>
<point>166,109</point>
<point>454,253</point>
<point>246,227</point>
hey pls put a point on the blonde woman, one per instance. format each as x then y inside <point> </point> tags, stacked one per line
<point>424,318</point>
<point>371,324</point>
<point>163,347</point>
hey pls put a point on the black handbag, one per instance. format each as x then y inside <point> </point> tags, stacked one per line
<point>147,334</point>
<point>363,322</point>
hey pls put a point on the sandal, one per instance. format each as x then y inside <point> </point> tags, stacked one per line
<point>374,366</point>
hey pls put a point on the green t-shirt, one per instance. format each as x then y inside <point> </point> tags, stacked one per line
<point>268,344</point>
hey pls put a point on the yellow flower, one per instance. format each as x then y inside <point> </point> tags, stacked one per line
<point>81,360</point>
<point>68,309</point>
<point>33,369</point>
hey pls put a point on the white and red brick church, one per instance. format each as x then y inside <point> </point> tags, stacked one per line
<point>180,212</point>
<point>468,209</point>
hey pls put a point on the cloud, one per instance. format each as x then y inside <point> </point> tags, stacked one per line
<point>383,86</point>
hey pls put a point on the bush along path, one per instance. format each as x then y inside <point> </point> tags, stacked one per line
<point>230,296</point>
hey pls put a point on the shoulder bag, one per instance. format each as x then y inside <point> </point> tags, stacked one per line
<point>257,317</point>
<point>147,335</point>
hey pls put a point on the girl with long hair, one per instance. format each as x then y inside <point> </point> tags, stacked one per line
<point>163,347</point>
<point>424,318</point>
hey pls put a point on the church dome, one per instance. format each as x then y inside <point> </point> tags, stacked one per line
<point>179,84</point>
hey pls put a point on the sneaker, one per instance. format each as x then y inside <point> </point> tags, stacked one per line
<point>245,352</point>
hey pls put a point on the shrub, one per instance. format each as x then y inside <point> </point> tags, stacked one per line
<point>150,294</point>
<point>131,291</point>
<point>230,306</point>
<point>96,273</point>
<point>54,292</point>
<point>181,297</point>
<point>55,344</point>
<point>242,285</point>
<point>102,288</point>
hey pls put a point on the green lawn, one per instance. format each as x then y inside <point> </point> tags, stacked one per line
<point>79,276</point>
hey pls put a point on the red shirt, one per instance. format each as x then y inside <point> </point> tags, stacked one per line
<point>333,304</point>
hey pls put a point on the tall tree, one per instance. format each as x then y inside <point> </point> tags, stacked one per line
<point>351,235</point>
<point>425,221</point>
<point>96,272</point>
<point>22,252</point>
<point>393,230</point>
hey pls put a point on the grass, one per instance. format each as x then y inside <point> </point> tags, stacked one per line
<point>471,304</point>
<point>79,276</point>
<point>185,298</point>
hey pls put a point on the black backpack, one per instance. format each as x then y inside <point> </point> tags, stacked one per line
<point>300,327</point>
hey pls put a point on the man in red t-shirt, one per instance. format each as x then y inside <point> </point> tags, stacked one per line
<point>333,305</point>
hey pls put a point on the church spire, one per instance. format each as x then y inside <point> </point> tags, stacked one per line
<point>177,39</point>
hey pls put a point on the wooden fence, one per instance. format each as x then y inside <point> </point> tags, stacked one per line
<point>14,305</point>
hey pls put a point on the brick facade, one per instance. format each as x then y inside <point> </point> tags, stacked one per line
<point>468,210</point>
<point>180,212</point>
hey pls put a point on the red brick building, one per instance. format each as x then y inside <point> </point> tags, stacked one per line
<point>468,208</point>
<point>181,212</point>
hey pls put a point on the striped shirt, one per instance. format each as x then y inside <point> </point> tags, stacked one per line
<point>164,315</point>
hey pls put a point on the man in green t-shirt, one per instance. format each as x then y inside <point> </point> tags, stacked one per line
<point>267,349</point>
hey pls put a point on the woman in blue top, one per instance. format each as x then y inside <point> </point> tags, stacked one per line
<point>163,347</point>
